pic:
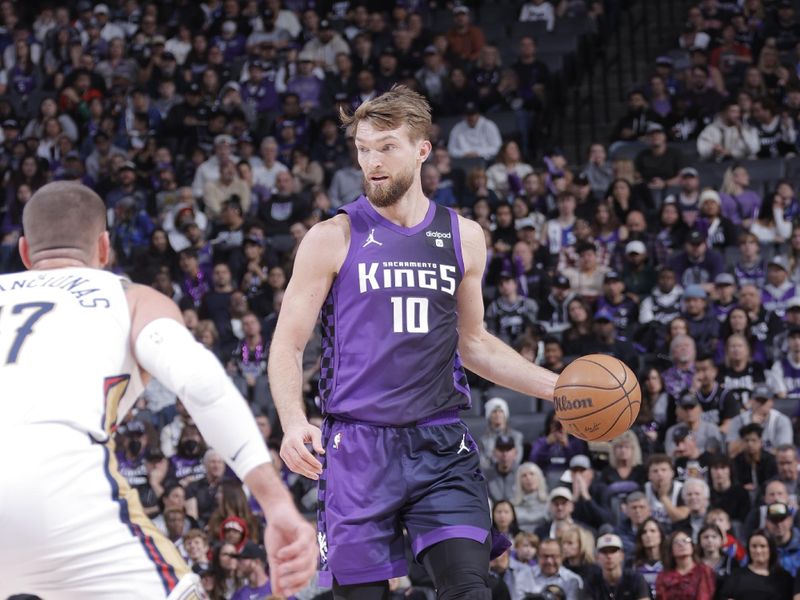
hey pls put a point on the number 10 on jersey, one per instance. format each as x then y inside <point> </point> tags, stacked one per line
<point>410,315</point>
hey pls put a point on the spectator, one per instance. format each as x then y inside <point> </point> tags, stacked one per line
<point>720,232</point>
<point>550,570</point>
<point>785,372</point>
<point>659,165</point>
<point>726,494</point>
<point>474,136</point>
<point>588,494</point>
<point>505,176</point>
<point>776,132</point>
<point>710,540</point>
<point>598,169</point>
<point>554,313</point>
<point>779,289</point>
<point>650,552</point>
<point>739,373</point>
<point>497,424</point>
<point>325,45</point>
<point>614,300</point>
<point>705,435</point>
<point>607,340</point>
<point>663,303</point>
<point>695,494</point>
<point>553,450</point>
<point>687,200</point>
<point>663,492</point>
<point>701,93</point>
<point>703,325</point>
<point>623,582</point>
<point>786,456</point>
<point>501,477</point>
<point>635,512</point>
<point>559,233</point>
<point>534,11</point>
<point>252,567</point>
<point>728,137</point>
<point>432,188</point>
<point>753,464</point>
<point>693,35</point>
<point>739,203</point>
<point>780,525</point>
<point>763,576</point>
<point>588,276</point>
<point>683,578</point>
<point>533,76</point>
<point>719,405</point>
<point>531,498</point>
<point>464,39</point>
<point>638,275</point>
<point>637,120</point>
<point>577,548</point>
<point>696,264</point>
<point>776,429</point>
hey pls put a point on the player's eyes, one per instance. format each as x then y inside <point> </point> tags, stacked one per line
<point>388,148</point>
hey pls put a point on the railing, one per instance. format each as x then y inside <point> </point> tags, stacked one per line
<point>610,51</point>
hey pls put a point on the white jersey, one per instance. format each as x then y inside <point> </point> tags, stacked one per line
<point>65,350</point>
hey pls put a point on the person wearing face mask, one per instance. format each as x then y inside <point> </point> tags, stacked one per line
<point>132,458</point>
<point>186,466</point>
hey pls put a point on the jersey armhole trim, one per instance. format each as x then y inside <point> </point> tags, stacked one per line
<point>351,251</point>
<point>456,239</point>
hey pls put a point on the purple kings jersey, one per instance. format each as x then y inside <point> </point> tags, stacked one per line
<point>390,338</point>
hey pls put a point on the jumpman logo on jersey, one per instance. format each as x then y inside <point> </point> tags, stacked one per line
<point>371,239</point>
<point>463,445</point>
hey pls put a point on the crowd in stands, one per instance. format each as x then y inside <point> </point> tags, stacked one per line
<point>210,130</point>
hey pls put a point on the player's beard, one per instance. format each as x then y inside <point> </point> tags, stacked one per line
<point>388,194</point>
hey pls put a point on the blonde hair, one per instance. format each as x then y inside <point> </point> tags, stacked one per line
<point>526,536</point>
<point>541,491</point>
<point>630,438</point>
<point>399,106</point>
<point>585,541</point>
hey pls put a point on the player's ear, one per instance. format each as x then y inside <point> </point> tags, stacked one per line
<point>425,148</point>
<point>103,248</point>
<point>25,252</point>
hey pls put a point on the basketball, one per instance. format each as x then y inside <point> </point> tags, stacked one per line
<point>597,397</point>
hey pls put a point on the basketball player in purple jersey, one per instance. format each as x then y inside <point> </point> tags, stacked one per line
<point>398,282</point>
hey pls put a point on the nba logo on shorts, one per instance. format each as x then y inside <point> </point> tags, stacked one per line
<point>336,439</point>
<point>439,244</point>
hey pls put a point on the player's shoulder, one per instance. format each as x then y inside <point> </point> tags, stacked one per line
<point>471,231</point>
<point>326,242</point>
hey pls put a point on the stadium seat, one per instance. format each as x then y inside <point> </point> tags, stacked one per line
<point>689,151</point>
<point>446,124</point>
<point>558,45</point>
<point>554,61</point>
<point>468,163</point>
<point>536,30</point>
<point>711,173</point>
<point>766,169</point>
<point>573,28</point>
<point>518,404</point>
<point>627,150</point>
<point>506,122</point>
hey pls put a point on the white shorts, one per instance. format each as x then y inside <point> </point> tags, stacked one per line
<point>73,529</point>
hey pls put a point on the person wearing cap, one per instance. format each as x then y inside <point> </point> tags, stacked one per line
<point>589,495</point>
<point>209,170</point>
<point>554,311</point>
<point>615,300</point>
<point>689,414</point>
<point>659,164</point>
<point>785,371</point>
<point>497,424</point>
<point>776,427</point>
<point>474,136</point>
<point>608,341</point>
<point>778,288</point>
<point>638,274</point>
<point>780,525</point>
<point>537,11</point>
<point>687,198</point>
<point>510,315</point>
<point>550,570</point>
<point>728,137</point>
<point>464,39</point>
<point>252,567</point>
<point>633,125</point>
<point>613,582</point>
<point>696,263</point>
<point>325,45</point>
<point>703,325</point>
<point>724,296</point>
<point>501,475</point>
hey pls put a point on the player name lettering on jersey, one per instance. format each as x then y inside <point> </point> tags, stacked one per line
<point>74,284</point>
<point>406,274</point>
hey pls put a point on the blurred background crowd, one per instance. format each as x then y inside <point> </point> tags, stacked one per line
<point>210,130</point>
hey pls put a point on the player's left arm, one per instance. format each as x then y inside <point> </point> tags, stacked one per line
<point>481,352</point>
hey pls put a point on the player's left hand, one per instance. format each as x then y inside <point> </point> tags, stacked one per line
<point>292,550</point>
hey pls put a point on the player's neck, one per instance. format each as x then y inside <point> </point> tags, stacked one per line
<point>58,263</point>
<point>409,211</point>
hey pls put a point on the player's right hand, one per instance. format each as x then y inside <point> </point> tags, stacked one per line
<point>295,454</point>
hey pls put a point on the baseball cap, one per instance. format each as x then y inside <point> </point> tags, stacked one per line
<point>389,51</point>
<point>635,247</point>
<point>560,492</point>
<point>654,128</point>
<point>306,56</point>
<point>604,315</point>
<point>431,49</point>
<point>252,239</point>
<point>504,443</point>
<point>794,330</point>
<point>696,238</point>
<point>101,9</point>
<point>561,281</point>
<point>461,9</point>
<point>609,540</point>
<point>779,261</point>
<point>613,275</point>
<point>680,433</point>
<point>324,24</point>
<point>84,5</point>
<point>664,60</point>
<point>252,550</point>
<point>223,138</point>
<point>229,26</point>
<point>580,461</point>
<point>135,427</point>
<point>470,108</point>
<point>687,400</point>
<point>695,291</point>
<point>724,279</point>
<point>505,274</point>
<point>194,88</point>
<point>10,124</point>
<point>127,165</point>
<point>689,172</point>
<point>778,511</point>
<point>762,391</point>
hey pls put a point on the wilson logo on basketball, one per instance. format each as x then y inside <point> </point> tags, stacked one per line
<point>562,403</point>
